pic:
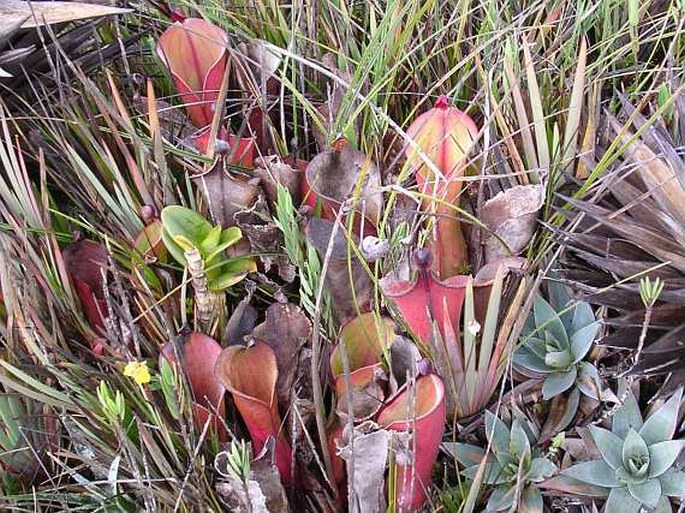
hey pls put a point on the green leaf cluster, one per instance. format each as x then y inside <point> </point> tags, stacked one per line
<point>513,466</point>
<point>184,229</point>
<point>554,344</point>
<point>635,469</point>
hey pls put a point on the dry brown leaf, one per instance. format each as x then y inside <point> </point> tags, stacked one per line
<point>39,14</point>
<point>226,194</point>
<point>347,282</point>
<point>659,177</point>
<point>511,217</point>
<point>286,329</point>
<point>366,460</point>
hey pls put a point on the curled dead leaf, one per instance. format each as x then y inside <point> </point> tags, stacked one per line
<point>511,217</point>
<point>346,281</point>
<point>226,193</point>
<point>286,329</point>
<point>334,175</point>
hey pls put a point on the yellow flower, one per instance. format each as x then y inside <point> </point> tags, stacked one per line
<point>138,371</point>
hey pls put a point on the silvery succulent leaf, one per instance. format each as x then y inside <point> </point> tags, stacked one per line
<point>558,382</point>
<point>546,318</point>
<point>663,506</point>
<point>621,501</point>
<point>582,316</point>
<point>540,468</point>
<point>466,454</point>
<point>588,380</point>
<point>501,498</point>
<point>673,483</point>
<point>581,341</point>
<point>661,425</point>
<point>647,493</point>
<point>561,300</point>
<point>493,473</point>
<point>609,445</point>
<point>531,500</point>
<point>662,455</point>
<point>628,415</point>
<point>597,473</point>
<point>635,453</point>
<point>537,346</point>
<point>519,446</point>
<point>527,359</point>
<point>497,432</point>
<point>559,360</point>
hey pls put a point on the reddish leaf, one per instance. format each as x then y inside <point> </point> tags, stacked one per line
<point>445,135</point>
<point>421,410</point>
<point>195,53</point>
<point>198,359</point>
<point>568,485</point>
<point>239,151</point>
<point>250,373</point>
<point>149,242</point>
<point>334,434</point>
<point>84,261</point>
<point>286,329</point>
<point>422,300</point>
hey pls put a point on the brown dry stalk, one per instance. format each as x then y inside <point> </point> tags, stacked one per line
<point>205,300</point>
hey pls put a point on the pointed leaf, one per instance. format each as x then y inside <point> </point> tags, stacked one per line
<point>582,316</point>
<point>661,425</point>
<point>597,473</point>
<point>662,455</point>
<point>558,382</point>
<point>540,468</point>
<point>498,434</point>
<point>559,360</point>
<point>633,447</point>
<point>627,416</point>
<point>621,501</point>
<point>609,445</point>
<point>466,454</point>
<point>588,380</point>
<point>581,341</point>
<point>492,473</point>
<point>673,483</point>
<point>519,445</point>
<point>546,319</point>
<point>566,484</point>
<point>501,498</point>
<point>647,493</point>
<point>525,358</point>
<point>663,506</point>
<point>531,500</point>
